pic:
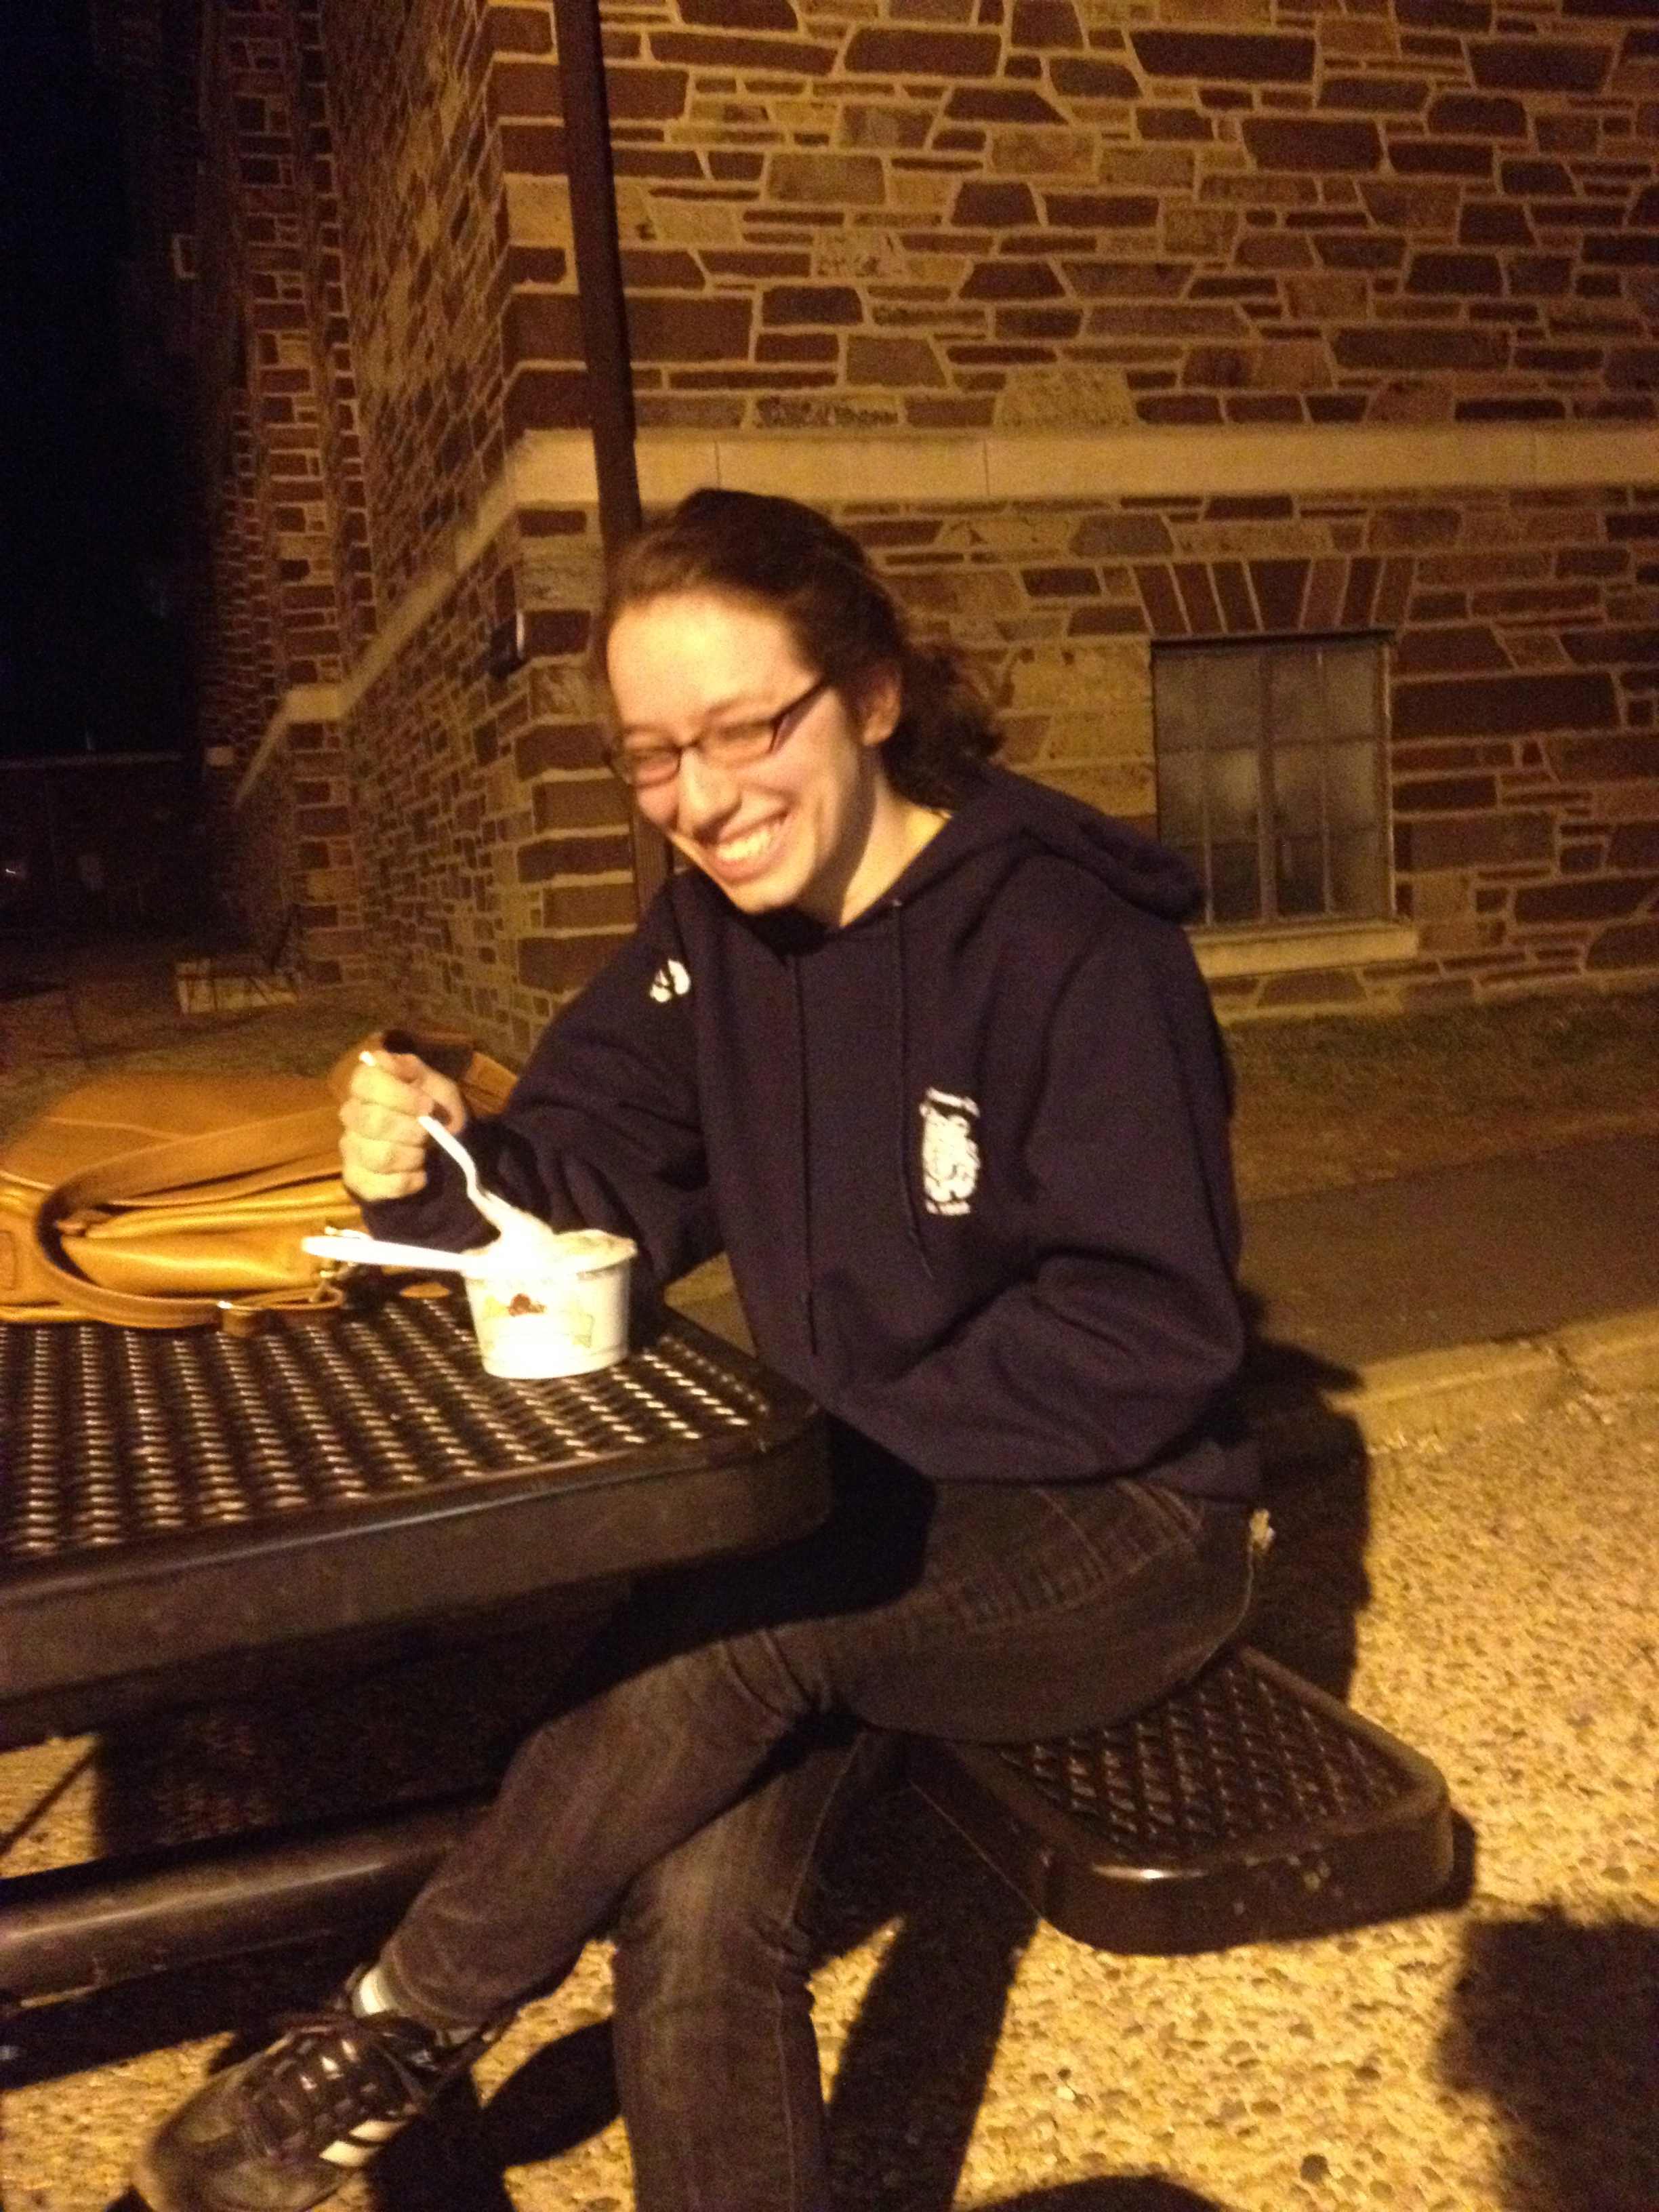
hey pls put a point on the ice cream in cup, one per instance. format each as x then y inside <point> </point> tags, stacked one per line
<point>544,1301</point>
<point>555,1304</point>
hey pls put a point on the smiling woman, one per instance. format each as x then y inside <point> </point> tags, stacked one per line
<point>923,1048</point>
<point>791,561</point>
<point>825,746</point>
<point>782,806</point>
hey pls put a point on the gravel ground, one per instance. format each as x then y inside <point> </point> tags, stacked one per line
<point>1497,2055</point>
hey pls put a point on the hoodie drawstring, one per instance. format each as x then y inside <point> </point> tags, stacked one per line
<point>809,1302</point>
<point>906,1184</point>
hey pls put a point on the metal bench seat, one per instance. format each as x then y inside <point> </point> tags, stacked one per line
<point>1246,1805</point>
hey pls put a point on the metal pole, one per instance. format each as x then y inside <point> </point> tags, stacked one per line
<point>604,320</point>
<point>598,268</point>
<point>80,1927</point>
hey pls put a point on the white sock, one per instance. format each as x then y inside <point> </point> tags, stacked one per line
<point>371,1994</point>
<point>374,1994</point>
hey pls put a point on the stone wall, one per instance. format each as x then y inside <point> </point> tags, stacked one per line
<point>1523,769</point>
<point>880,255</point>
<point>296,841</point>
<point>1032,213</point>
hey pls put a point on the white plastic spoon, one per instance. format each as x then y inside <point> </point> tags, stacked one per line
<point>496,1211</point>
<point>363,1251</point>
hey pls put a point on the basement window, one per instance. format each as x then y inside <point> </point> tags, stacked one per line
<point>1271,777</point>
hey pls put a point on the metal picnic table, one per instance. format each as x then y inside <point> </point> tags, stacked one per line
<point>187,1506</point>
<point>177,1504</point>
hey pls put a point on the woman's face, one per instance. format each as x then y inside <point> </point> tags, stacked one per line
<point>813,824</point>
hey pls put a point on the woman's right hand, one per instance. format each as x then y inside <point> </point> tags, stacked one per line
<point>382,1145</point>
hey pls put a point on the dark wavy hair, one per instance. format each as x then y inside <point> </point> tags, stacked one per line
<point>794,562</point>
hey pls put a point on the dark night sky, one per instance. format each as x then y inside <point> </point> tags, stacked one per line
<point>89,527</point>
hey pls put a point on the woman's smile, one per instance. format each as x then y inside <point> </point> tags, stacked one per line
<point>811,823</point>
<point>737,850</point>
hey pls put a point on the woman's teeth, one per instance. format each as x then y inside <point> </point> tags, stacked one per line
<point>735,851</point>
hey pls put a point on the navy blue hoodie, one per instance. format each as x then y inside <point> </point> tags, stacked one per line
<point>967,1154</point>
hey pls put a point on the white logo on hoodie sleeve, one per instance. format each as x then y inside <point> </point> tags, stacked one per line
<point>672,980</point>
<point>950,1155</point>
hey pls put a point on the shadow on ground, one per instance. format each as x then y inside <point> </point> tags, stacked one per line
<point>1312,1585</point>
<point>907,2091</point>
<point>1557,2023</point>
<point>912,2073</point>
<point>1137,2192</point>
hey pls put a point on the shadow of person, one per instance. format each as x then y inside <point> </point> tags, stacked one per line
<point>912,2072</point>
<point>1312,1586</point>
<point>1553,2021</point>
<point>557,2098</point>
<point>913,2068</point>
<point>441,2163</point>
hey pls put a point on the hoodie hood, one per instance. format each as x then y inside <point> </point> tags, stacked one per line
<point>1002,821</point>
<point>1006,809</point>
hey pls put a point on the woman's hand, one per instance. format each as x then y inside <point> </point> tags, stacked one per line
<point>383,1147</point>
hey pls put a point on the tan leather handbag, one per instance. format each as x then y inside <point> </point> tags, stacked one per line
<point>163,1202</point>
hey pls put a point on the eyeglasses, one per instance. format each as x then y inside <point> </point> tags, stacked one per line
<point>641,761</point>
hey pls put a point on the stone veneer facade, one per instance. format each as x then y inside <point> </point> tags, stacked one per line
<point>1102,322</point>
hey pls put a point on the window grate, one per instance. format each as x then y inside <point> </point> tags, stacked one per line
<point>1271,780</point>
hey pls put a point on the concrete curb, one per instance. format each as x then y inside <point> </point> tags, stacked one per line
<point>1619,1353</point>
<point>1467,1386</point>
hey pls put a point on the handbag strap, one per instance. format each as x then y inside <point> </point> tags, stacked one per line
<point>292,1140</point>
<point>256,1180</point>
<point>262,1154</point>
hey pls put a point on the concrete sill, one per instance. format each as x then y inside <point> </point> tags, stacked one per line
<point>1309,944</point>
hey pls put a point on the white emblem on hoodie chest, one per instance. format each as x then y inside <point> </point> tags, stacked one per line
<point>950,1154</point>
<point>672,980</point>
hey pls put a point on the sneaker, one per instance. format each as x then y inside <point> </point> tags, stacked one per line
<point>289,2126</point>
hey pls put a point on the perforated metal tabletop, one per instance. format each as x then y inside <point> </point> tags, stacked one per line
<point>169,1497</point>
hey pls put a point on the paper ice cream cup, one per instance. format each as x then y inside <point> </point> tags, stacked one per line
<point>562,1313</point>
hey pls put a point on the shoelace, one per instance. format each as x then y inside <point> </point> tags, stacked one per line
<point>306,2092</point>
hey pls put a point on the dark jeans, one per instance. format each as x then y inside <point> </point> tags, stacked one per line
<point>732,1717</point>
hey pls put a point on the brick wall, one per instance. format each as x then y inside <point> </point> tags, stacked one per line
<point>440,99</point>
<point>292,600</point>
<point>1028,213</point>
<point>297,843</point>
<point>496,862</point>
<point>270,280</point>
<point>241,687</point>
<point>324,382</point>
<point>1524,763</point>
<point>947,230</point>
